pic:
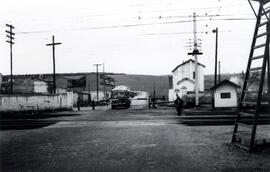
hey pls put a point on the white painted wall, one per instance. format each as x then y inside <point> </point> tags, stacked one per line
<point>101,95</point>
<point>186,71</point>
<point>230,102</point>
<point>40,87</point>
<point>19,103</point>
<point>59,90</point>
<point>172,95</point>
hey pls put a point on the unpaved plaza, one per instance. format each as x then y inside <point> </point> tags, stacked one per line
<point>124,140</point>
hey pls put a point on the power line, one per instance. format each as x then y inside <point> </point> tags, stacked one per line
<point>135,25</point>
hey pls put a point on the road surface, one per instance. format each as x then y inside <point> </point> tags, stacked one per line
<point>122,140</point>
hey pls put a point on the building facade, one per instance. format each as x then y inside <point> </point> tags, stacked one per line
<point>183,79</point>
<point>25,86</point>
<point>81,83</point>
<point>225,94</point>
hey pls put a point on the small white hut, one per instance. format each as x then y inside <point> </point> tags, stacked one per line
<point>225,94</point>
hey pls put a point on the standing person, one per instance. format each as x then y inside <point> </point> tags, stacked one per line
<point>149,101</point>
<point>78,103</point>
<point>93,104</point>
<point>178,105</point>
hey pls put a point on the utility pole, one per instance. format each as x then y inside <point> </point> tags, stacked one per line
<point>216,53</point>
<point>195,53</point>
<point>10,36</point>
<point>97,65</point>
<point>53,49</point>
<point>104,82</point>
<point>154,94</point>
<point>218,71</point>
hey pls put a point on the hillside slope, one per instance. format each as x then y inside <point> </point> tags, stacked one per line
<point>144,83</point>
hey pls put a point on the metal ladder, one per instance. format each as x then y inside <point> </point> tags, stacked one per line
<point>249,110</point>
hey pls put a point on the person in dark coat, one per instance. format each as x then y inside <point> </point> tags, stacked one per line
<point>93,104</point>
<point>178,103</point>
<point>79,103</point>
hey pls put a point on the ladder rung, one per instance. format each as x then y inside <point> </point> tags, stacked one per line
<point>252,80</point>
<point>257,57</point>
<point>247,114</point>
<point>241,146</point>
<point>244,125</point>
<point>265,12</point>
<point>250,103</point>
<point>242,138</point>
<point>247,91</point>
<point>259,46</point>
<point>255,68</point>
<point>254,103</point>
<point>264,23</point>
<point>260,35</point>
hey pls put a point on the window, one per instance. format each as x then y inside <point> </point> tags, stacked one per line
<point>194,75</point>
<point>225,95</point>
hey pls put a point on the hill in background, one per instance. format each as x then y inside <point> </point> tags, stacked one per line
<point>144,83</point>
<point>161,83</point>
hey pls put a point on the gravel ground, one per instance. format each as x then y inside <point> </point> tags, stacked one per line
<point>125,140</point>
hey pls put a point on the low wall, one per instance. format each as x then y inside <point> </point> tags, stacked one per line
<point>24,103</point>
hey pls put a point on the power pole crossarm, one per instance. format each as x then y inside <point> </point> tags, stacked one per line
<point>10,41</point>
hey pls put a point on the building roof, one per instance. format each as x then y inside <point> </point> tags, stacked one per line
<point>121,88</point>
<point>187,62</point>
<point>185,79</point>
<point>225,82</point>
<point>73,77</point>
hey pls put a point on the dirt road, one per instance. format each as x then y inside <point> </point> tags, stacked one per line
<point>123,140</point>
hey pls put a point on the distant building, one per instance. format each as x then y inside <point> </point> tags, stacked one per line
<point>225,94</point>
<point>26,86</point>
<point>183,79</point>
<point>1,80</point>
<point>80,83</point>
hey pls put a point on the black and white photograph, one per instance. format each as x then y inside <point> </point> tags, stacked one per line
<point>134,86</point>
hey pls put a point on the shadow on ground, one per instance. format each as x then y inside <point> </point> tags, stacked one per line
<point>21,121</point>
<point>35,115</point>
<point>22,124</point>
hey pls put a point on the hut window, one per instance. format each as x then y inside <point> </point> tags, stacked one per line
<point>225,95</point>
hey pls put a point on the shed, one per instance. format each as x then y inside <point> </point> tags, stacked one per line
<point>225,94</point>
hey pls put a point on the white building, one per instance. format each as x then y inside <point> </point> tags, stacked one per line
<point>40,86</point>
<point>225,94</point>
<point>184,79</point>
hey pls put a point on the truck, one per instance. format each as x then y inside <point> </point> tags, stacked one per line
<point>121,97</point>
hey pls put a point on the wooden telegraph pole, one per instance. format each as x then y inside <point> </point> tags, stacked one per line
<point>216,54</point>
<point>53,49</point>
<point>195,53</point>
<point>97,65</point>
<point>218,71</point>
<point>10,36</point>
<point>104,82</point>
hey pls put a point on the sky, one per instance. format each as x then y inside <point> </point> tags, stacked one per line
<point>128,36</point>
